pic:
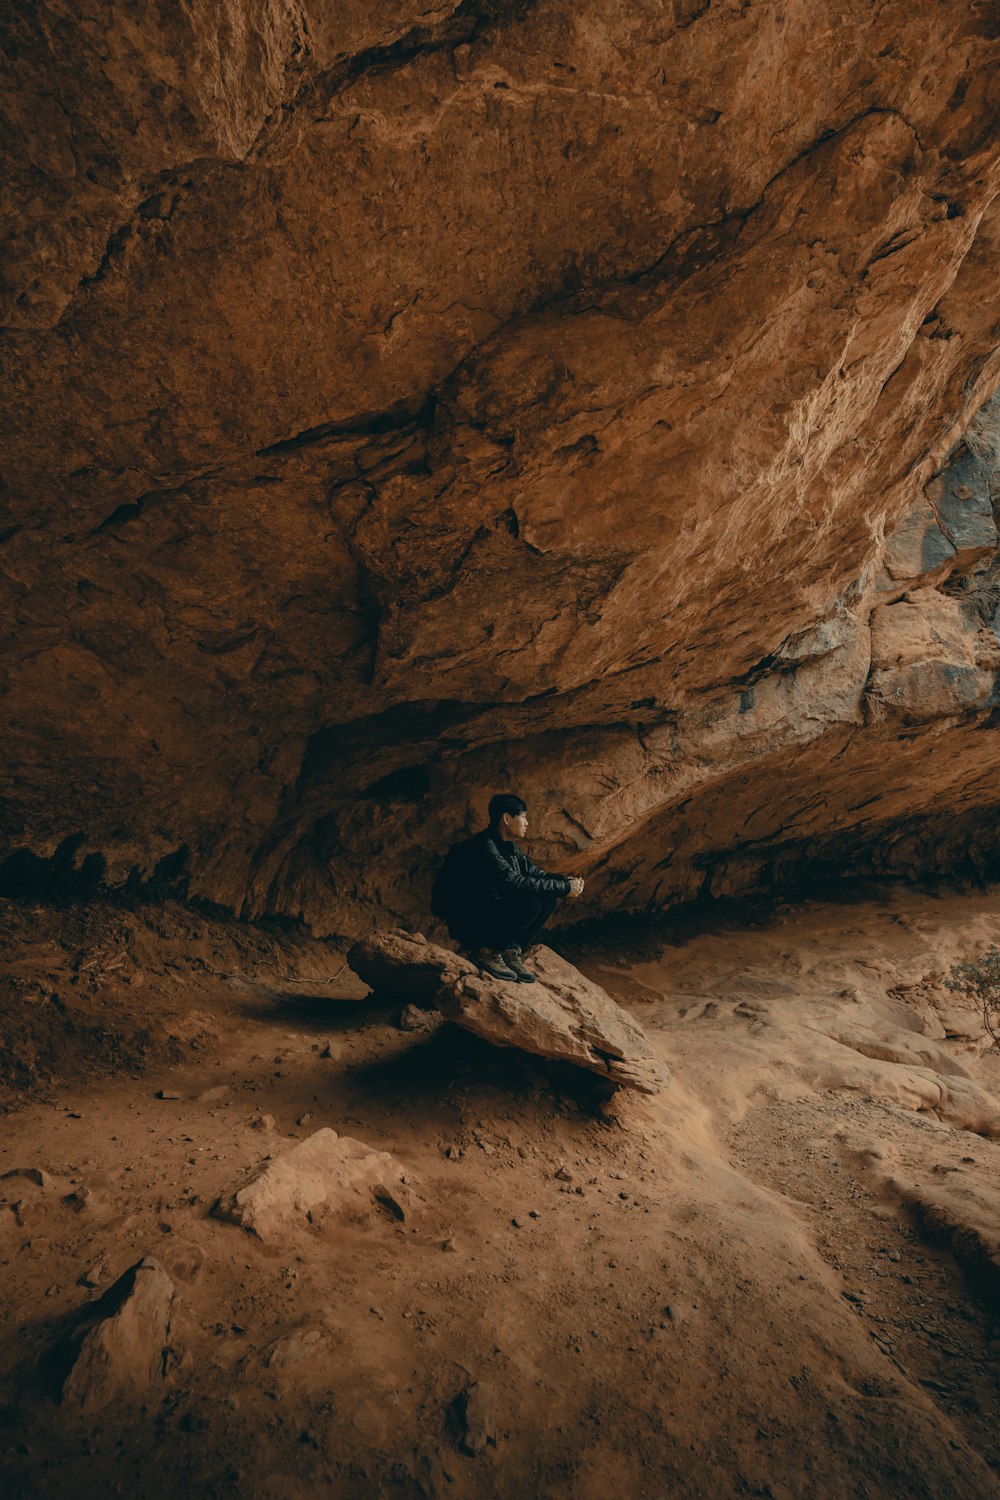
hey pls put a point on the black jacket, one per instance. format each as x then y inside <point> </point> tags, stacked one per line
<point>502,867</point>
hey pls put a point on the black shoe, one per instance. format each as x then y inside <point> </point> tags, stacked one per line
<point>512,958</point>
<point>493,963</point>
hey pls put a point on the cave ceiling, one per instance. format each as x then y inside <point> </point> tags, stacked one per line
<point>405,402</point>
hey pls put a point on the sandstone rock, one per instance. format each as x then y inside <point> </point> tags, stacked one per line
<point>324,1175</point>
<point>292,1347</point>
<point>36,1175</point>
<point>120,1348</point>
<point>475,1410</point>
<point>696,339</point>
<point>563,1017</point>
<point>413,1018</point>
<point>401,965</point>
<point>963,1216</point>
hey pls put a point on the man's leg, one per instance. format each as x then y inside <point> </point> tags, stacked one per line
<point>535,920</point>
<point>480,933</point>
<point>504,927</point>
<point>531,917</point>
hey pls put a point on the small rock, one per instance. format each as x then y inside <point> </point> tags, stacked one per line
<point>331,1049</point>
<point>262,1122</point>
<point>475,1410</point>
<point>120,1345</point>
<point>303,1119</point>
<point>186,1262</point>
<point>93,1276</point>
<point>451,1245</point>
<point>37,1175</point>
<point>517,1223</point>
<point>414,1019</point>
<point>563,1174</point>
<point>323,1174</point>
<point>167,1094</point>
<point>292,1347</point>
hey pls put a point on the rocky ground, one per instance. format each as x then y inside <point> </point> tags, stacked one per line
<point>772,1279</point>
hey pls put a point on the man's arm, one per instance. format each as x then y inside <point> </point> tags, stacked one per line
<point>522,875</point>
<point>573,884</point>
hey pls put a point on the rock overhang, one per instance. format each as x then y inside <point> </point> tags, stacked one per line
<point>439,477</point>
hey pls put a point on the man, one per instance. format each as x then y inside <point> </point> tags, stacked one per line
<point>495,900</point>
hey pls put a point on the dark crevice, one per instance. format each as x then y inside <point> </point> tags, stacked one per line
<point>402,416</point>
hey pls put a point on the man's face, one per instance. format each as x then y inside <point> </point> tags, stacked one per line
<point>516,826</point>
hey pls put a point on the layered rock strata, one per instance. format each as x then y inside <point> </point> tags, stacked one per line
<point>402,406</point>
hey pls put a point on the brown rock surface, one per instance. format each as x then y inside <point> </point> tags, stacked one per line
<point>324,1175</point>
<point>564,1017</point>
<point>403,403</point>
<point>407,966</point>
<point>123,1352</point>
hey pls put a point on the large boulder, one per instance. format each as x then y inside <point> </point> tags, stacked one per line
<point>325,1174</point>
<point>563,1016</point>
<point>120,1347</point>
<point>405,966</point>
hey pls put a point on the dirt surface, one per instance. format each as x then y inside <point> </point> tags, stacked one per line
<point>721,1291</point>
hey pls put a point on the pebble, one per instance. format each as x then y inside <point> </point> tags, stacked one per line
<point>563,1174</point>
<point>167,1094</point>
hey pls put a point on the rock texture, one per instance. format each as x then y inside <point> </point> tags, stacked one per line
<point>406,966</point>
<point>564,1017</point>
<point>123,1352</point>
<point>405,402</point>
<point>324,1175</point>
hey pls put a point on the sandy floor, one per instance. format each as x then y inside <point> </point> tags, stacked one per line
<point>774,1280</point>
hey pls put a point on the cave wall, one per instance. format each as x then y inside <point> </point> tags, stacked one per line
<point>400,404</point>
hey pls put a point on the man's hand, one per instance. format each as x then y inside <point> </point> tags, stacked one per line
<point>575,886</point>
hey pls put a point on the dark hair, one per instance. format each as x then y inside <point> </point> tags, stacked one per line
<point>505,802</point>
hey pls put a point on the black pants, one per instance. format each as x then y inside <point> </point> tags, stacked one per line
<point>512,921</point>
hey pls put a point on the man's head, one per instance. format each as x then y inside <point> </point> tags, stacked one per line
<point>509,815</point>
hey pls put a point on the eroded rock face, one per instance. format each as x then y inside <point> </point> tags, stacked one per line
<point>404,403</point>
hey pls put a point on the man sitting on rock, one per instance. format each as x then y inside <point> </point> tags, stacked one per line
<point>493,898</point>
